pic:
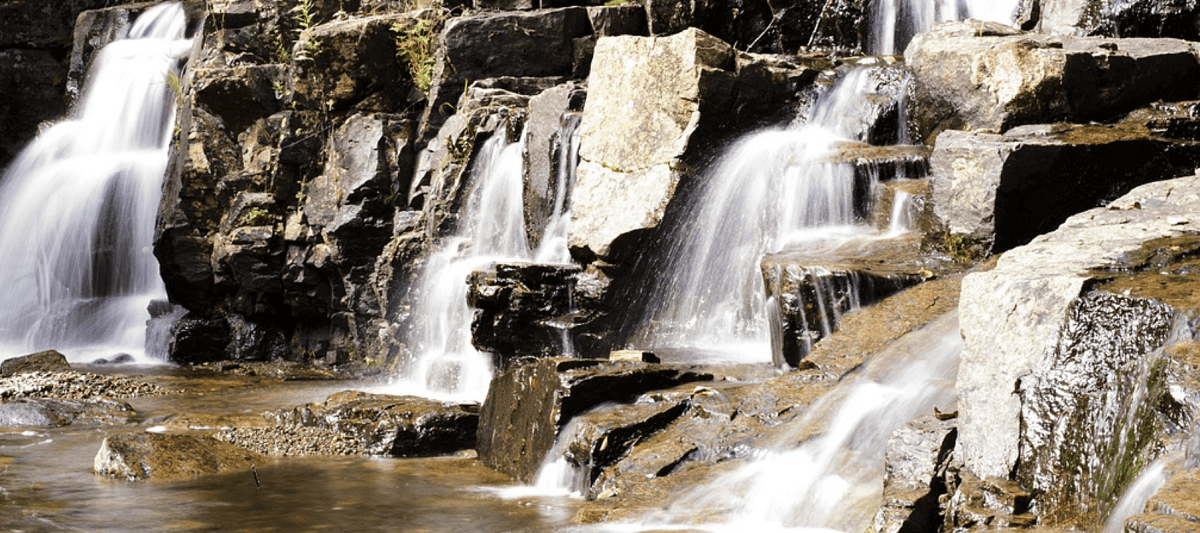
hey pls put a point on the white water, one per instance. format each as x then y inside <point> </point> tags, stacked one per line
<point>832,481</point>
<point>553,246</point>
<point>895,22</point>
<point>774,189</point>
<point>443,363</point>
<point>77,206</point>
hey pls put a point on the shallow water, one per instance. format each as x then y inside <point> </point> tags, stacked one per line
<point>46,480</point>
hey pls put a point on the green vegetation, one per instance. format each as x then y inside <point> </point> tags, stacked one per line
<point>257,216</point>
<point>306,18</point>
<point>414,46</point>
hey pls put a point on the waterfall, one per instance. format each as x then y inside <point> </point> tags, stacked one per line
<point>833,481</point>
<point>553,245</point>
<point>442,362</point>
<point>77,206</point>
<point>773,189</point>
<point>895,22</point>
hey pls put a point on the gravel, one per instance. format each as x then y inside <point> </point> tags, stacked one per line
<point>74,386</point>
<point>292,441</point>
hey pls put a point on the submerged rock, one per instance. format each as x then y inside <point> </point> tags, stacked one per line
<point>141,456</point>
<point>1003,190</point>
<point>529,404</point>
<point>53,412</point>
<point>1064,383</point>
<point>1173,509</point>
<point>973,76</point>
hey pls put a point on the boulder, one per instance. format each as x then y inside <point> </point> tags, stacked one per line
<point>53,412</point>
<point>523,310</point>
<point>46,361</point>
<point>974,75</point>
<point>339,64</point>
<point>198,340</point>
<point>141,456</point>
<point>528,405</point>
<point>239,96</point>
<point>917,457</point>
<point>1138,18</point>
<point>1046,368</point>
<point>399,426</point>
<point>1006,189</point>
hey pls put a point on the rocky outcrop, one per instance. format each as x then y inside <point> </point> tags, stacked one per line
<point>972,76</point>
<point>1139,18</point>
<point>399,426</point>
<point>1045,373</point>
<point>523,310</point>
<point>528,405</point>
<point>808,291</point>
<point>1003,190</point>
<point>142,456</point>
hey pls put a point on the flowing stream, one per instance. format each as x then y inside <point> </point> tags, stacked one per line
<point>77,206</point>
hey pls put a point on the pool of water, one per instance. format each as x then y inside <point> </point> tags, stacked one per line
<point>46,480</point>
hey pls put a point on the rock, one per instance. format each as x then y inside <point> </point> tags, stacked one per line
<point>552,123</point>
<point>523,310</point>
<point>141,456</point>
<point>198,340</point>
<point>986,504</point>
<point>973,76</point>
<point>339,64</point>
<point>1054,328</point>
<point>528,405</point>
<point>94,29</point>
<point>1007,189</point>
<point>536,44</point>
<point>809,291</point>
<point>239,96</point>
<point>917,456</point>
<point>628,19</point>
<point>1172,120</point>
<point>1139,18</point>
<point>1173,508</point>
<point>52,412</point>
<point>400,426</point>
<point>47,361</point>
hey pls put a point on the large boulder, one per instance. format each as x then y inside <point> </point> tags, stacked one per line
<point>340,64</point>
<point>45,361</point>
<point>141,456</point>
<point>1082,327</point>
<point>529,404</point>
<point>974,75</point>
<point>1004,190</point>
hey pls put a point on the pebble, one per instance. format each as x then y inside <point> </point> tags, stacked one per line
<point>74,386</point>
<point>292,440</point>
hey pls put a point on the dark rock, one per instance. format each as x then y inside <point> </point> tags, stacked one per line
<point>809,291</point>
<point>536,44</point>
<point>1007,189</point>
<point>1172,120</point>
<point>198,340</point>
<point>31,83</point>
<point>972,76</point>
<point>93,30</point>
<point>628,19</point>
<point>1139,18</point>
<point>238,96</point>
<point>528,405</point>
<point>47,361</point>
<point>53,412</point>
<point>141,456</point>
<point>917,456</point>
<point>523,310</point>
<point>119,359</point>
<point>400,426</point>
<point>339,64</point>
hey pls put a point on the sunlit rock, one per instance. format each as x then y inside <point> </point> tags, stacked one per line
<point>141,456</point>
<point>916,454</point>
<point>981,76</point>
<point>1138,18</point>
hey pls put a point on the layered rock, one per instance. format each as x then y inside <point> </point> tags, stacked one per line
<point>917,457</point>
<point>973,76</point>
<point>1004,190</point>
<point>528,405</point>
<point>1065,383</point>
<point>523,310</point>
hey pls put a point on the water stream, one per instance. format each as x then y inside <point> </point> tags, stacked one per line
<point>77,206</point>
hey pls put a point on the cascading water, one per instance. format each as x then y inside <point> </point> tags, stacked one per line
<point>895,22</point>
<point>492,229</point>
<point>833,481</point>
<point>77,206</point>
<point>553,246</point>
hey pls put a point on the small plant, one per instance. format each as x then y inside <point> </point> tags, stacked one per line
<point>176,85</point>
<point>306,18</point>
<point>959,247</point>
<point>414,46</point>
<point>257,216</point>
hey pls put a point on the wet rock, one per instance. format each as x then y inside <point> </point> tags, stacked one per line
<point>522,310</point>
<point>1007,189</point>
<point>1140,18</point>
<point>809,291</point>
<point>198,340</point>
<point>400,426</point>
<point>536,44</point>
<point>972,76</point>
<point>47,361</point>
<point>917,456</point>
<point>548,131</point>
<point>528,405</point>
<point>1044,374</point>
<point>53,412</point>
<point>1173,509</point>
<point>985,504</point>
<point>1172,120</point>
<point>93,30</point>
<point>141,456</point>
